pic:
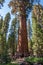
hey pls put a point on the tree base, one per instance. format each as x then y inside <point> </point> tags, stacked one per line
<point>21,55</point>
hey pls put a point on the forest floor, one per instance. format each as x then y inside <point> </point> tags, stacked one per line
<point>18,61</point>
<point>26,61</point>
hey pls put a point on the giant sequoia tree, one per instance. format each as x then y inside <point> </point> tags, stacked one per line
<point>23,7</point>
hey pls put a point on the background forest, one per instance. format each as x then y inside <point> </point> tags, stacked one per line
<point>9,41</point>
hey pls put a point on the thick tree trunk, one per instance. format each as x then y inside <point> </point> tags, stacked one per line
<point>22,47</point>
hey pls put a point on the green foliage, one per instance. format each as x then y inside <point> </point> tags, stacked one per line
<point>21,6</point>
<point>34,59</point>
<point>37,33</point>
<point>1,21</point>
<point>5,58</point>
<point>3,31</point>
<point>1,3</point>
<point>12,64</point>
<point>12,37</point>
<point>8,64</point>
<point>6,22</point>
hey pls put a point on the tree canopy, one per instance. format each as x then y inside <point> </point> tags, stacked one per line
<point>21,5</point>
<point>1,3</point>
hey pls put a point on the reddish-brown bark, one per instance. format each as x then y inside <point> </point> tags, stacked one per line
<point>22,47</point>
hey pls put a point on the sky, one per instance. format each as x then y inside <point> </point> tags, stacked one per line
<point>5,9</point>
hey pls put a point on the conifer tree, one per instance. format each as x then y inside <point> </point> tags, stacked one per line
<point>3,30</point>
<point>37,30</point>
<point>12,37</point>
